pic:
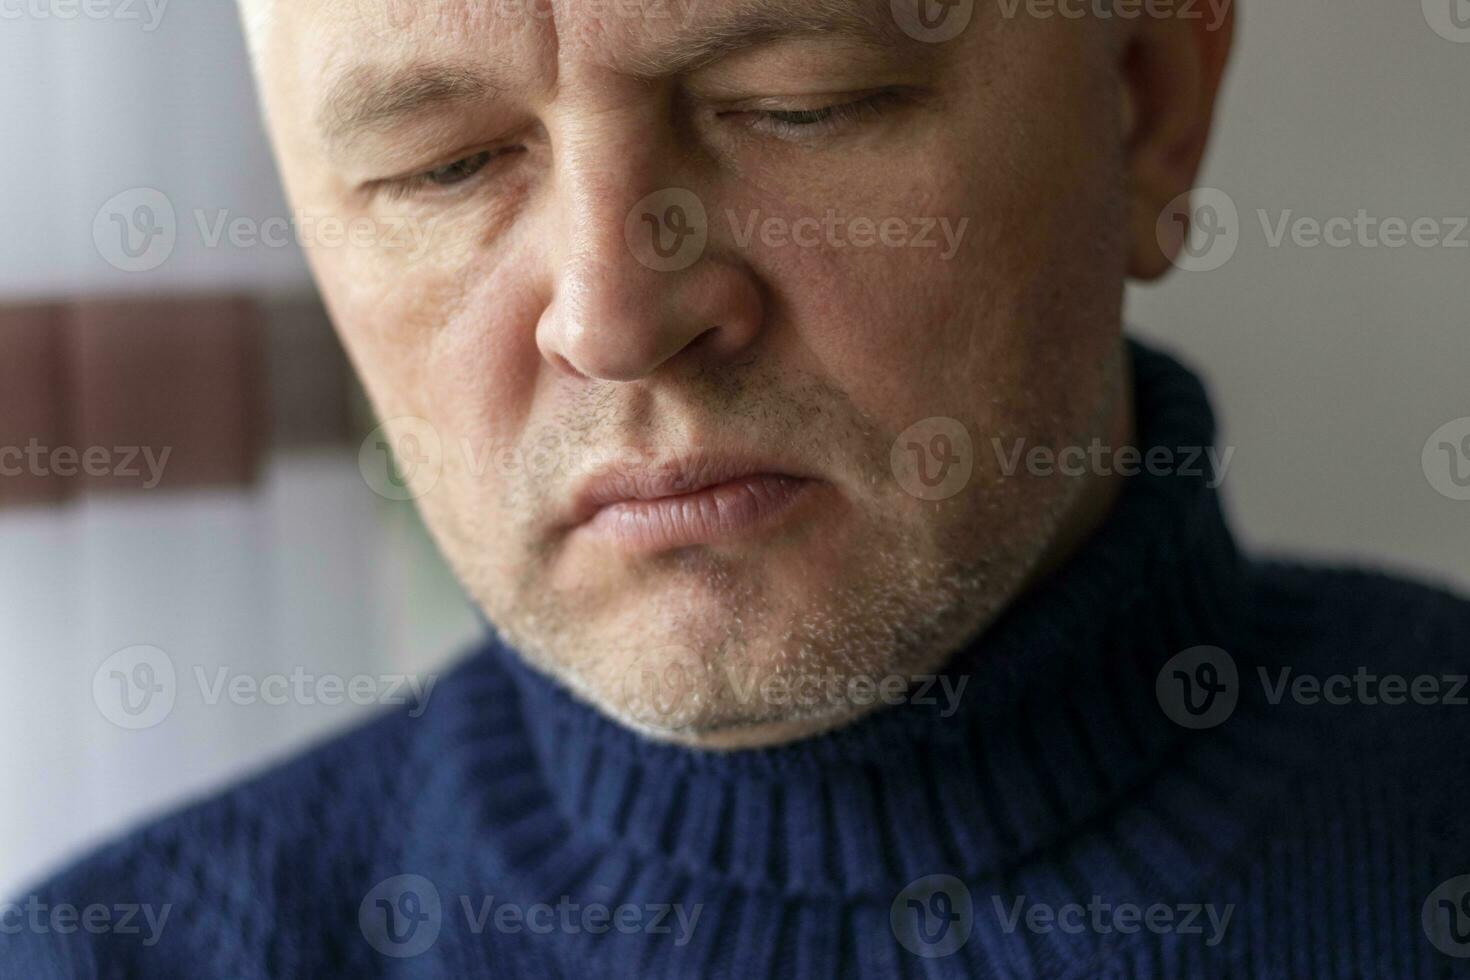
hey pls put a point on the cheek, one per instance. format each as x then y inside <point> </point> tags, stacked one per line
<point>876,326</point>
<point>446,334</point>
<point>452,343</point>
<point>899,307</point>
<point>1003,322</point>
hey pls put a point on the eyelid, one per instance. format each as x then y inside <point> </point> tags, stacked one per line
<point>804,102</point>
<point>419,180</point>
<point>840,111</point>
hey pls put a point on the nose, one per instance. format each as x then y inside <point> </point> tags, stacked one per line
<point>639,280</point>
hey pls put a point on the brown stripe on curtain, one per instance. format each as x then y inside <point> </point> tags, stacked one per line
<point>30,409</point>
<point>129,395</point>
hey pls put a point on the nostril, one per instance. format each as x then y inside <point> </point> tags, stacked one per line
<point>560,363</point>
<point>705,339</point>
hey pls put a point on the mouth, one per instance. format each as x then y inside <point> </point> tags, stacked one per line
<point>698,500</point>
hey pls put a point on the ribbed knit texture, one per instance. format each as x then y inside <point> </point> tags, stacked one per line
<point>1321,830</point>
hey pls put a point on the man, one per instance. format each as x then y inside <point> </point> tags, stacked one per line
<point>861,600</point>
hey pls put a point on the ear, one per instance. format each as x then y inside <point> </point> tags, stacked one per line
<point>1171,68</point>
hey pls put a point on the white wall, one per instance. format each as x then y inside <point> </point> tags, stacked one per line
<point>309,571</point>
<point>1333,366</point>
<point>97,107</point>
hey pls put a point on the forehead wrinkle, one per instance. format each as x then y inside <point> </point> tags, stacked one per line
<point>744,24</point>
<point>370,96</point>
<point>367,97</point>
<point>433,53</point>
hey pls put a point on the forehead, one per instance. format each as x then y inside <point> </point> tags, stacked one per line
<point>328,37</point>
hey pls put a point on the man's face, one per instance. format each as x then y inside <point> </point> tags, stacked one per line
<point>616,299</point>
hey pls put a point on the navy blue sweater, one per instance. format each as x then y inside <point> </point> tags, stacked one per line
<point>1168,761</point>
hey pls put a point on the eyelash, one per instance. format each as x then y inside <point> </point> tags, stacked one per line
<point>445,178</point>
<point>790,125</point>
<point>803,124</point>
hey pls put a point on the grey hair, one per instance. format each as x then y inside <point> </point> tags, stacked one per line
<point>255,15</point>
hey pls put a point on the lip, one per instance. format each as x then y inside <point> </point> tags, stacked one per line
<point>696,500</point>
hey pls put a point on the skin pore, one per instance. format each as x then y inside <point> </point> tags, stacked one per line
<point>540,345</point>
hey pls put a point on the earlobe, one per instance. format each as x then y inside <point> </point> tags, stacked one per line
<point>1157,234</point>
<point>1170,71</point>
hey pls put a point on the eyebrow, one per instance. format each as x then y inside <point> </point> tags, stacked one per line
<point>752,23</point>
<point>370,97</point>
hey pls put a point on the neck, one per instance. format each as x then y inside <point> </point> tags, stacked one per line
<point>1097,493</point>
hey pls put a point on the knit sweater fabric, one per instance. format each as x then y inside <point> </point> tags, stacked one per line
<point>1136,781</point>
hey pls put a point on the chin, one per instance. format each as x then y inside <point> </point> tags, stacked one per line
<point>733,649</point>
<point>709,673</point>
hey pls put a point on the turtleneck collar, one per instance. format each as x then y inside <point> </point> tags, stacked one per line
<point>1058,721</point>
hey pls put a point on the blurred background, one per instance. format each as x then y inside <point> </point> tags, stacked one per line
<point>152,300</point>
